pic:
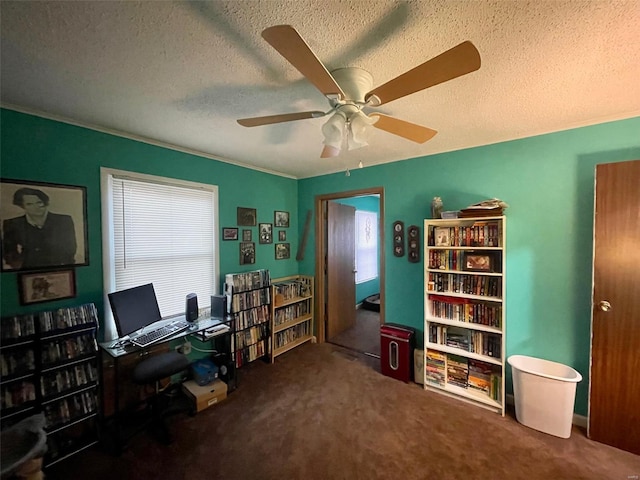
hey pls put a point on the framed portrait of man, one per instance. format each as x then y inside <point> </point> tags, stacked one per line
<point>44,225</point>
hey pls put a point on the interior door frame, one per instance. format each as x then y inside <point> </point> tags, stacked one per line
<point>321,247</point>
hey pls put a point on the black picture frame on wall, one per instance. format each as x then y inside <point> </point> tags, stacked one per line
<point>229,233</point>
<point>46,286</point>
<point>60,235</point>
<point>281,219</point>
<point>283,251</point>
<point>265,232</point>
<point>246,217</point>
<point>247,253</point>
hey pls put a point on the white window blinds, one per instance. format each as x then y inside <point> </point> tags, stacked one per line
<point>366,246</point>
<point>163,233</point>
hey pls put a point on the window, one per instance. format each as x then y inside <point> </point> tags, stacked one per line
<point>161,231</point>
<point>366,246</point>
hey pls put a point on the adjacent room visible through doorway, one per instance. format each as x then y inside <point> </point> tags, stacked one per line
<point>364,336</point>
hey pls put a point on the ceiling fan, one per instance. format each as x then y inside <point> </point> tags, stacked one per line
<point>349,91</point>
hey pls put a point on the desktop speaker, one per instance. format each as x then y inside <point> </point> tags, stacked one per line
<point>191,308</point>
<point>218,306</point>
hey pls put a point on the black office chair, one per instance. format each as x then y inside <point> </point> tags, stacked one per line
<point>164,402</point>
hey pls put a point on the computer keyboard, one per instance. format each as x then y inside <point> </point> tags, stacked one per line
<point>162,332</point>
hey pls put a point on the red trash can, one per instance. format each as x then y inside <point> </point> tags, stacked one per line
<point>396,351</point>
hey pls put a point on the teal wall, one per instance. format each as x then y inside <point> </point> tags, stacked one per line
<point>42,150</point>
<point>548,183</point>
<point>546,180</point>
<point>369,203</point>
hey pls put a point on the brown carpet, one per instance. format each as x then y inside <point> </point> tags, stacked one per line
<point>320,413</point>
<point>364,336</point>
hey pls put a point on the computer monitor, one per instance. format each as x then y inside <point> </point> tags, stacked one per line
<point>134,308</point>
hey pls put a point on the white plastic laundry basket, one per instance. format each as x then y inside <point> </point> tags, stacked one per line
<point>544,394</point>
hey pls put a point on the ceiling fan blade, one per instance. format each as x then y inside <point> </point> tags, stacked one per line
<point>283,117</point>
<point>453,63</point>
<point>288,42</point>
<point>410,131</point>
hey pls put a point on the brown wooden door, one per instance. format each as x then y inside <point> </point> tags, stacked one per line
<point>614,399</point>
<point>341,260</point>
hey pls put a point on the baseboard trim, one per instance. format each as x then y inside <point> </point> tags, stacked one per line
<point>578,420</point>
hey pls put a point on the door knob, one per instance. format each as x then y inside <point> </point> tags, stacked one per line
<point>604,306</point>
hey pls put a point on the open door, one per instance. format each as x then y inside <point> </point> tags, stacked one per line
<point>614,396</point>
<point>341,271</point>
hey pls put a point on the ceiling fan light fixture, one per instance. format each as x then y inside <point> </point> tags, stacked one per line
<point>358,131</point>
<point>333,131</point>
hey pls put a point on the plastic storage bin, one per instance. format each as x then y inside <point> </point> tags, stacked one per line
<point>544,394</point>
<point>396,351</point>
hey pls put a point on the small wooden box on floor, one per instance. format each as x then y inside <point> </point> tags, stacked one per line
<point>207,395</point>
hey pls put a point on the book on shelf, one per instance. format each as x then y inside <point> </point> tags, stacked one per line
<point>435,368</point>
<point>457,370</point>
<point>480,212</point>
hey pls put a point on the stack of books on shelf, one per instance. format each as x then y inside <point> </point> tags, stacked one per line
<point>487,208</point>
<point>480,376</point>
<point>435,369</point>
<point>248,280</point>
<point>458,338</point>
<point>289,290</point>
<point>457,371</point>
<point>17,394</point>
<point>484,379</point>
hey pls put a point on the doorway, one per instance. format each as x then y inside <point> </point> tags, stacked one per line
<point>363,335</point>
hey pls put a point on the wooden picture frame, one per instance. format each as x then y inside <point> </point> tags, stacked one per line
<point>283,251</point>
<point>61,240</point>
<point>247,253</point>
<point>265,233</point>
<point>229,233</point>
<point>282,236</point>
<point>246,235</point>
<point>46,286</point>
<point>281,219</point>
<point>478,262</point>
<point>246,217</point>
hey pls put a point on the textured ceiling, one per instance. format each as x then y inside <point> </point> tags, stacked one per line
<point>181,73</point>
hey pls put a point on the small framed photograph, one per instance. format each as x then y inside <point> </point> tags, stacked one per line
<point>246,235</point>
<point>44,225</point>
<point>477,262</point>
<point>247,253</point>
<point>441,237</point>
<point>282,236</point>
<point>281,219</point>
<point>283,251</point>
<point>246,217</point>
<point>266,233</point>
<point>229,233</point>
<point>37,287</point>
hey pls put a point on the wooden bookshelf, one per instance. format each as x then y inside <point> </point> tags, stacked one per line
<point>291,313</point>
